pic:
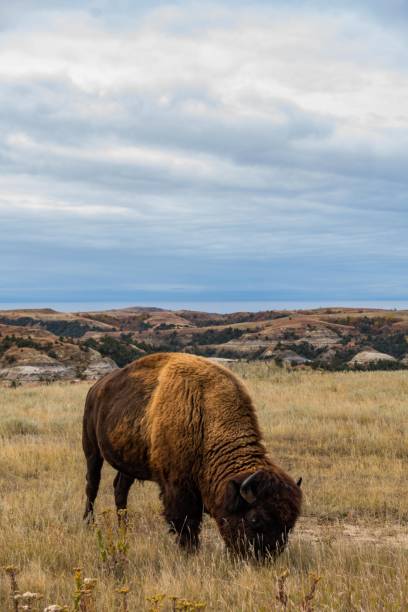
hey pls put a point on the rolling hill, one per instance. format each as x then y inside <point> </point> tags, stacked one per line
<point>46,345</point>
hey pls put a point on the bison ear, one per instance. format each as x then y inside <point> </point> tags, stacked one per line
<point>299,482</point>
<point>233,500</point>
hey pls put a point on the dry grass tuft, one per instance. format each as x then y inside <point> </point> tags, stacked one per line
<point>345,433</point>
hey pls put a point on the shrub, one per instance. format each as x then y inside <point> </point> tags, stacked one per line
<point>212,336</point>
<point>121,352</point>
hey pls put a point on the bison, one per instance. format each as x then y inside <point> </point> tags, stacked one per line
<point>189,425</point>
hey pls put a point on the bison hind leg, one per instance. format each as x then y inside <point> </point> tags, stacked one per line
<point>183,510</point>
<point>94,464</point>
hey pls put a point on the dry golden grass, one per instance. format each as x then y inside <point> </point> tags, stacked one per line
<point>345,433</point>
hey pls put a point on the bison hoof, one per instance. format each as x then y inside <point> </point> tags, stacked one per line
<point>89,518</point>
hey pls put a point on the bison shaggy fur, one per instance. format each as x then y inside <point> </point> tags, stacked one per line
<point>189,425</point>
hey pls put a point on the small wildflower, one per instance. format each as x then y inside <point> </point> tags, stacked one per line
<point>77,575</point>
<point>123,590</point>
<point>156,598</point>
<point>78,588</point>
<point>156,601</point>
<point>90,583</point>
<point>28,595</point>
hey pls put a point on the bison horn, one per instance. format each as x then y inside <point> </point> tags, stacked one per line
<point>247,488</point>
<point>299,482</point>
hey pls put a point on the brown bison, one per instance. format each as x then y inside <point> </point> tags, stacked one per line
<point>189,425</point>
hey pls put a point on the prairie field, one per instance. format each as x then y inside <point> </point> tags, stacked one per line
<point>345,433</point>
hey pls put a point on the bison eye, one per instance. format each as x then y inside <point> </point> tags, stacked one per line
<point>254,521</point>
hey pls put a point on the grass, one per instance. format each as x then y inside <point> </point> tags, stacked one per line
<point>344,433</point>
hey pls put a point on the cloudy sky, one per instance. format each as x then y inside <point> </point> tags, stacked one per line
<point>199,151</point>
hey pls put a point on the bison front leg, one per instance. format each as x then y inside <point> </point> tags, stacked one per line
<point>183,510</point>
<point>121,485</point>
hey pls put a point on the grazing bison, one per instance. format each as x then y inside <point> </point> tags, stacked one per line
<point>189,425</point>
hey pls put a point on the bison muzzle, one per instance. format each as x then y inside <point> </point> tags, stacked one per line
<point>189,425</point>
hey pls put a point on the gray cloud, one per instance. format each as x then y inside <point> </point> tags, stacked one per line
<point>262,156</point>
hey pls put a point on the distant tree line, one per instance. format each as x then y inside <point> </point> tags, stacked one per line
<point>212,336</point>
<point>122,350</point>
<point>8,341</point>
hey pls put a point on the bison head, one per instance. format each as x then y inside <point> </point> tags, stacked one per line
<point>258,512</point>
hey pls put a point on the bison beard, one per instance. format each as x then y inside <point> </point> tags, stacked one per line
<point>189,425</point>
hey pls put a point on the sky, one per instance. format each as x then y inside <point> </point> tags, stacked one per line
<point>191,152</point>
